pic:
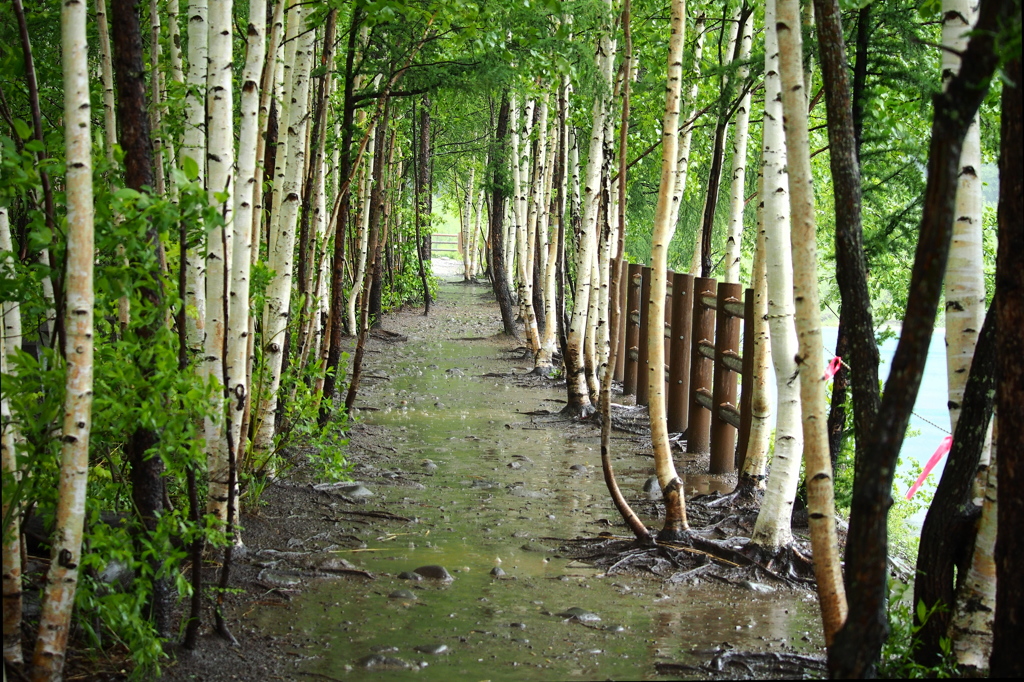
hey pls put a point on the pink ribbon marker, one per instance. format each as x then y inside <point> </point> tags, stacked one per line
<point>940,452</point>
<point>833,368</point>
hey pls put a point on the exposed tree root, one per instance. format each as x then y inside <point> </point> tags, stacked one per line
<point>758,665</point>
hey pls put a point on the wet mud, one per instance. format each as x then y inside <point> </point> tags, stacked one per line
<point>459,549</point>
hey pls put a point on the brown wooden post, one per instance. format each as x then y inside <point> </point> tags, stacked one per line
<point>679,366</point>
<point>698,429</point>
<point>632,330</point>
<point>642,385</point>
<point>620,358</point>
<point>727,344</point>
<point>747,388</point>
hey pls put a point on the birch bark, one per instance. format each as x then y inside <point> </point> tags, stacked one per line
<point>756,457</point>
<point>811,358</point>
<point>194,147</point>
<point>62,577</point>
<point>220,163</point>
<point>246,190</point>
<point>734,239</point>
<point>772,530</point>
<point>665,214</point>
<point>275,314</point>
<point>579,402</point>
<point>965,274</point>
<point>9,438</point>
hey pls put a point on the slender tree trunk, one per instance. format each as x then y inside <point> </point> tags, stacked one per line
<point>857,646</point>
<point>155,109</point>
<point>246,191</point>
<point>362,240</point>
<point>1009,617</point>
<point>739,155</point>
<point>683,158</point>
<point>971,626</point>
<point>965,272</point>
<point>62,577</point>
<point>615,315</point>
<point>755,459</point>
<point>373,268</point>
<point>219,180</point>
<point>665,213</point>
<point>811,363</point>
<point>499,273</point>
<point>772,530</point>
<point>579,403</point>
<point>333,342</point>
<point>277,309</point>
<point>9,439</point>
<point>467,227</point>
<point>423,203</point>
<point>194,147</point>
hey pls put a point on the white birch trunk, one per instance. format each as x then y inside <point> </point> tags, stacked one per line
<point>107,81</point>
<point>971,627</point>
<point>467,227</point>
<point>576,334</point>
<point>813,401</point>
<point>364,233</point>
<point>965,275</point>
<point>683,156</point>
<point>549,340</point>
<point>237,360</point>
<point>220,163</point>
<point>772,529</point>
<point>756,457</point>
<point>155,95</point>
<point>665,214</point>
<point>194,147</point>
<point>178,76</point>
<point>739,161</point>
<point>62,577</point>
<point>275,315</point>
<point>9,439</point>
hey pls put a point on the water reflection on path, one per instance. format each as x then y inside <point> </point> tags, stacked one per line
<point>501,486</point>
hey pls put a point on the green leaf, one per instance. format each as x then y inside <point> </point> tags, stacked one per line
<point>24,132</point>
<point>191,168</point>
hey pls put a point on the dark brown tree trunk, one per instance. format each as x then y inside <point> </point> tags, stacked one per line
<point>714,181</point>
<point>857,646</point>
<point>373,252</point>
<point>499,276</point>
<point>56,272</point>
<point>341,231</point>
<point>146,466</point>
<point>1006,660</point>
<point>947,537</point>
<point>424,244</point>
<point>833,82</point>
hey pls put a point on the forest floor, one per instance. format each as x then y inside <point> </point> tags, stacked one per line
<point>463,469</point>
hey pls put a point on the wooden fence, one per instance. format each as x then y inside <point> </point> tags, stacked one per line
<point>704,321</point>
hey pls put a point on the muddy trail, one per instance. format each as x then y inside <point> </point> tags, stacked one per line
<point>456,551</point>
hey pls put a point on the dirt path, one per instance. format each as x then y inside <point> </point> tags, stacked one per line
<point>451,472</point>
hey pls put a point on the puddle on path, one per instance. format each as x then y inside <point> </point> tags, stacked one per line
<point>501,486</point>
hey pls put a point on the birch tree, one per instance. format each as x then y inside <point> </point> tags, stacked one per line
<point>965,273</point>
<point>241,233</point>
<point>811,358</point>
<point>276,311</point>
<point>739,155</point>
<point>772,530</point>
<point>62,577</point>
<point>193,148</point>
<point>666,211</point>
<point>579,402</point>
<point>11,549</point>
<point>220,164</point>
